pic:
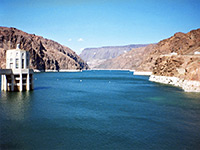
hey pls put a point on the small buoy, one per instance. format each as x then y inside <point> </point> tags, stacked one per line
<point>35,78</point>
<point>80,80</point>
<point>57,79</point>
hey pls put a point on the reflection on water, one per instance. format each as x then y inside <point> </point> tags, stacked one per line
<point>41,88</point>
<point>14,105</point>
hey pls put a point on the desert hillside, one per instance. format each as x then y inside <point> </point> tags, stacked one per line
<point>45,54</point>
<point>181,66</point>
<point>145,58</point>
<point>130,60</point>
<point>96,56</point>
<point>179,44</point>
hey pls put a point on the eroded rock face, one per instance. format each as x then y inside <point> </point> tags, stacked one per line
<point>176,63</point>
<point>166,66</point>
<point>182,66</point>
<point>45,54</point>
<point>180,43</point>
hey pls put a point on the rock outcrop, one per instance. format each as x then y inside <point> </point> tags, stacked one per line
<point>97,56</point>
<point>181,66</point>
<point>45,54</point>
<point>180,44</point>
<point>175,61</point>
<point>181,70</point>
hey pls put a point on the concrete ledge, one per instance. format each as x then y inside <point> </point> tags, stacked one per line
<point>10,71</point>
<point>5,71</point>
<point>23,71</point>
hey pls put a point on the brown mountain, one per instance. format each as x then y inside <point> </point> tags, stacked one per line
<point>180,43</point>
<point>45,54</point>
<point>170,57</point>
<point>96,56</point>
<point>181,66</point>
<point>130,60</point>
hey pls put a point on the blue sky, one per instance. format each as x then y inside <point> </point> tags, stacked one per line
<point>81,24</point>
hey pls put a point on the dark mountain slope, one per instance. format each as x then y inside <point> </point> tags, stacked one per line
<point>45,54</point>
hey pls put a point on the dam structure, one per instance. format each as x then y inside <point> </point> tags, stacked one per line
<point>17,76</point>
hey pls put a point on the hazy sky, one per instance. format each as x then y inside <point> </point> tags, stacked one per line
<point>92,23</point>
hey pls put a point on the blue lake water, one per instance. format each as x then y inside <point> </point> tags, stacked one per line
<point>99,110</point>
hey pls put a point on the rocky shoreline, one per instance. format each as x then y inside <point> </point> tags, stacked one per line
<point>186,85</point>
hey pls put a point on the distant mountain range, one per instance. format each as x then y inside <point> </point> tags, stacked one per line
<point>45,54</point>
<point>96,56</point>
<point>180,46</point>
<point>130,60</point>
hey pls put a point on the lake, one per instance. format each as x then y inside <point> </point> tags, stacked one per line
<point>96,110</point>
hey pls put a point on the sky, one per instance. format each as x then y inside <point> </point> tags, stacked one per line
<point>80,24</point>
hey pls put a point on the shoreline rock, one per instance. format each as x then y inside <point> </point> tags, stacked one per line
<point>186,85</point>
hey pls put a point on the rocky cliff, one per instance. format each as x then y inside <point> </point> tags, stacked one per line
<point>185,64</point>
<point>182,66</point>
<point>182,71</point>
<point>96,56</point>
<point>45,54</point>
<point>176,62</point>
<point>180,43</point>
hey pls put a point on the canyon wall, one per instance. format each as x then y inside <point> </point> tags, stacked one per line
<point>45,54</point>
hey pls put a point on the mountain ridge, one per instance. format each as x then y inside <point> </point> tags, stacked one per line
<point>180,44</point>
<point>96,56</point>
<point>130,60</point>
<point>45,54</point>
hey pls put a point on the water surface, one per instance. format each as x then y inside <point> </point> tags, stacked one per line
<point>99,110</point>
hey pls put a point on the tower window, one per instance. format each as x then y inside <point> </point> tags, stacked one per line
<point>17,63</point>
<point>23,64</point>
<point>27,63</point>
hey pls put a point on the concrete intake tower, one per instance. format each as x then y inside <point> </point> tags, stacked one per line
<point>17,76</point>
